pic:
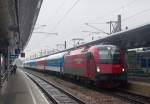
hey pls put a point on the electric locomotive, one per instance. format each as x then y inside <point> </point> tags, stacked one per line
<point>103,64</point>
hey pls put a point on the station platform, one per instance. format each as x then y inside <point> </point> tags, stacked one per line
<point>139,87</point>
<point>19,89</point>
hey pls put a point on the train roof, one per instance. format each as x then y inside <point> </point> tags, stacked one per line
<point>56,56</point>
<point>29,61</point>
<point>103,46</point>
<point>40,59</point>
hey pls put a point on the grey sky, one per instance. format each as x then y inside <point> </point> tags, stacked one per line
<point>53,15</point>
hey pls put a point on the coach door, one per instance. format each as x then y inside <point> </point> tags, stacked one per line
<point>90,64</point>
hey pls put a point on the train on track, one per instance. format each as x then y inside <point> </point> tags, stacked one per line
<point>101,64</point>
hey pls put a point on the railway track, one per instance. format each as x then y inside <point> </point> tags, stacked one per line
<point>119,93</point>
<point>131,97</point>
<point>124,95</point>
<point>55,93</point>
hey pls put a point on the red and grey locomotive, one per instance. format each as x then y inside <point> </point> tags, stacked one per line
<point>103,64</point>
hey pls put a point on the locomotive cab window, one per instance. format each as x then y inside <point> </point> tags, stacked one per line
<point>109,56</point>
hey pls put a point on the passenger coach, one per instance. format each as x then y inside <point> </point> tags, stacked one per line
<point>55,63</point>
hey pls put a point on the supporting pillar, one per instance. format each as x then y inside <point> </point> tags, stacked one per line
<point>1,68</point>
<point>0,73</point>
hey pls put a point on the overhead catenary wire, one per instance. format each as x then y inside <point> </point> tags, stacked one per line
<point>96,28</point>
<point>110,12</point>
<point>138,13</point>
<point>133,16</point>
<point>46,33</point>
<point>123,6</point>
<point>68,11</point>
<point>60,6</point>
<point>58,9</point>
<point>97,23</point>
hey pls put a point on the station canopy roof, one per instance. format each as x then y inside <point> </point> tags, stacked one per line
<point>17,19</point>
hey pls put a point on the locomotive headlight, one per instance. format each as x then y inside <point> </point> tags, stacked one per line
<point>123,69</point>
<point>98,69</point>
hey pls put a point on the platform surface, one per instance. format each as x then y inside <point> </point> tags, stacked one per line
<point>139,87</point>
<point>19,89</point>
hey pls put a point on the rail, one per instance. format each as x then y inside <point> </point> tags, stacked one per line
<point>131,97</point>
<point>56,94</point>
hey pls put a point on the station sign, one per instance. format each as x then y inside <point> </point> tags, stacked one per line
<point>22,54</point>
<point>17,51</point>
<point>14,56</point>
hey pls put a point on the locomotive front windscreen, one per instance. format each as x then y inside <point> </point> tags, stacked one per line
<point>109,56</point>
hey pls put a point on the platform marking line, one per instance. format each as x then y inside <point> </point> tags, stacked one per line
<point>41,94</point>
<point>31,93</point>
<point>37,90</point>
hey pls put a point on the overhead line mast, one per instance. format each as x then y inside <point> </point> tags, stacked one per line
<point>115,26</point>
